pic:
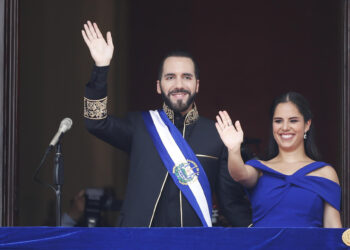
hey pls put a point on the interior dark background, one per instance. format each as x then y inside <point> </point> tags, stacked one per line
<point>248,52</point>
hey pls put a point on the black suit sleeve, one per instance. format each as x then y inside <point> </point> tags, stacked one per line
<point>115,131</point>
<point>232,200</point>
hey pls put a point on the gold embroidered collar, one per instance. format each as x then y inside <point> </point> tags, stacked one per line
<point>190,117</point>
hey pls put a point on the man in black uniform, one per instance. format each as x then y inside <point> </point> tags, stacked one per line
<point>153,199</point>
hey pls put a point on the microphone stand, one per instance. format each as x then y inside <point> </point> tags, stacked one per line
<point>58,181</point>
<point>65,125</point>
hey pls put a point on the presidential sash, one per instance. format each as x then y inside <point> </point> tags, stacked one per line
<point>181,163</point>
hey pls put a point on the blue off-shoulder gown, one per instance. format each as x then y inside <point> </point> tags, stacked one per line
<point>296,200</point>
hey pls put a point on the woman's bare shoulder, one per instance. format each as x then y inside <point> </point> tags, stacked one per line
<point>327,172</point>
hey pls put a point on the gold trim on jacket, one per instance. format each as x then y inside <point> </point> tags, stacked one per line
<point>190,117</point>
<point>207,156</point>
<point>155,206</point>
<point>95,109</point>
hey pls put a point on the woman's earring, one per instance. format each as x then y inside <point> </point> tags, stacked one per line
<point>305,136</point>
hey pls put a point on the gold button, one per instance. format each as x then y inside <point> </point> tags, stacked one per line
<point>346,237</point>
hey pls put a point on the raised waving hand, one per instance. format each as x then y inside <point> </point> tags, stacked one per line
<point>101,50</point>
<point>231,135</point>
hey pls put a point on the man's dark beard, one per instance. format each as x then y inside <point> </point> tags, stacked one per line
<point>179,106</point>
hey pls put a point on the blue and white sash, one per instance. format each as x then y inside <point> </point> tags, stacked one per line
<point>182,164</point>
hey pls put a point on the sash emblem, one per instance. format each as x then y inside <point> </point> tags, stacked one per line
<point>186,173</point>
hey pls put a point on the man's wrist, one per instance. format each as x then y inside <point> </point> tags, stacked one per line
<point>103,64</point>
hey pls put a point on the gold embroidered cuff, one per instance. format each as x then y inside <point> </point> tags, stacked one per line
<point>95,109</point>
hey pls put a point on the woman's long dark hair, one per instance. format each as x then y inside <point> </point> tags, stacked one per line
<point>304,108</point>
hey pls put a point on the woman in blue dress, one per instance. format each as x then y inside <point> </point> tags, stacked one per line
<point>292,188</point>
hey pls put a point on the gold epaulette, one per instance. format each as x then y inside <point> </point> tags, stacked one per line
<point>95,109</point>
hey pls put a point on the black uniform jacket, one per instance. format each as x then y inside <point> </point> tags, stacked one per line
<point>147,173</point>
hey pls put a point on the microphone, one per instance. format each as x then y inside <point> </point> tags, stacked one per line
<point>65,125</point>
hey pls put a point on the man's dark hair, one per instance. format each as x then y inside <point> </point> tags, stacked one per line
<point>178,53</point>
<point>304,108</point>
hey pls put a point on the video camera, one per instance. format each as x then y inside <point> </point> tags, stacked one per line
<point>96,201</point>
